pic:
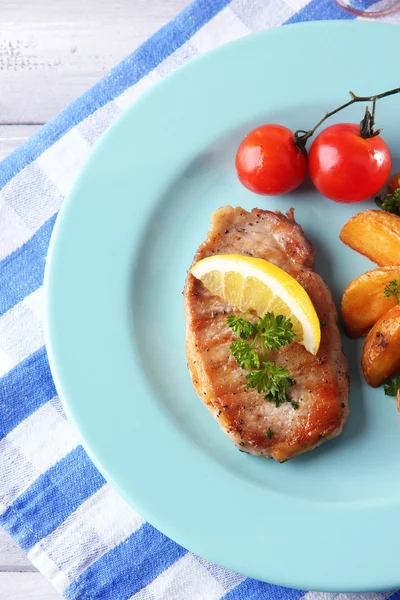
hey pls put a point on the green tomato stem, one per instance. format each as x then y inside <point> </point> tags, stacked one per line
<point>301,136</point>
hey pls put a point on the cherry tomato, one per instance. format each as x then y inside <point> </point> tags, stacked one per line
<point>346,167</point>
<point>394,182</point>
<point>268,162</point>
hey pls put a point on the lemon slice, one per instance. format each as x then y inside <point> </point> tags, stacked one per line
<point>256,284</point>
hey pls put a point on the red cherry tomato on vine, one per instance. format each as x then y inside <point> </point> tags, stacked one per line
<point>394,182</point>
<point>268,162</point>
<point>345,167</point>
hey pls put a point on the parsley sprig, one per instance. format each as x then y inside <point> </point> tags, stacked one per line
<point>390,202</point>
<point>390,388</point>
<point>241,327</point>
<point>392,289</point>
<point>269,332</point>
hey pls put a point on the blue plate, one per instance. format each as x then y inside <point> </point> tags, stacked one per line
<point>328,520</point>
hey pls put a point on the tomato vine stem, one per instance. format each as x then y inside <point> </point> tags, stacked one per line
<point>301,136</point>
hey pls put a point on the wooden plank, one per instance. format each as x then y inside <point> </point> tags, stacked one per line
<point>51,52</point>
<point>11,136</point>
<point>11,556</point>
<point>26,586</point>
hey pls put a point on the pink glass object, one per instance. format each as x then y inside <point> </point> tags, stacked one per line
<point>366,8</point>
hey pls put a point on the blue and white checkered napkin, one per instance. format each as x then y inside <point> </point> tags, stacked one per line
<point>53,501</point>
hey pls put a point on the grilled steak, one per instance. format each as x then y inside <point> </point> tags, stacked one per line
<point>322,381</point>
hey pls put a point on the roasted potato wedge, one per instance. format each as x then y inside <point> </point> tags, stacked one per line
<point>381,353</point>
<point>364,301</point>
<point>376,234</point>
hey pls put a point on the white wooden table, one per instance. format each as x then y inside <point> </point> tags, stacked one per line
<point>51,51</point>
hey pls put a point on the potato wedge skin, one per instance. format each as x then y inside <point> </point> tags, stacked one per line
<point>381,353</point>
<point>375,234</point>
<point>364,302</point>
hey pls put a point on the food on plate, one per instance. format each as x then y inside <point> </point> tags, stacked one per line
<point>254,338</point>
<point>394,182</point>
<point>255,284</point>
<point>314,407</point>
<point>367,298</point>
<point>347,162</point>
<point>268,162</point>
<point>381,353</point>
<point>391,388</point>
<point>392,291</point>
<point>371,302</point>
<point>390,202</point>
<point>347,166</point>
<point>376,234</point>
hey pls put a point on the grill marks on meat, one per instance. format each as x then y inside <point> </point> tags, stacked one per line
<point>322,381</point>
